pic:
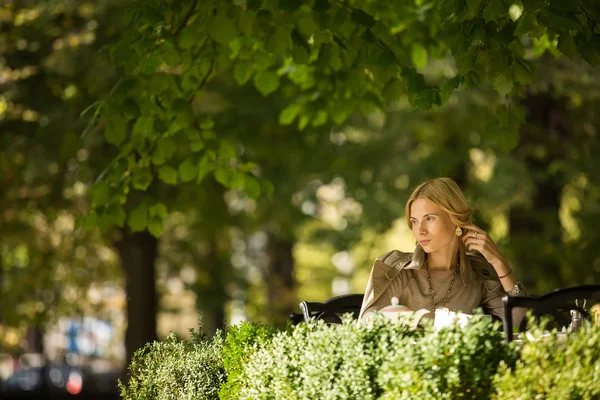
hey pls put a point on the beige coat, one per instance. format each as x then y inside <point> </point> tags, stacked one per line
<point>478,286</point>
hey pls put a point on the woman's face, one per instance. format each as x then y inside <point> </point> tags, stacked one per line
<point>431,225</point>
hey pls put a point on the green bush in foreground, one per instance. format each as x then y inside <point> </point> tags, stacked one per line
<point>319,361</point>
<point>239,344</point>
<point>452,363</point>
<point>383,361</point>
<point>553,368</point>
<point>176,369</point>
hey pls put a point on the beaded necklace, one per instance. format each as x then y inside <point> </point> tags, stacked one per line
<point>431,287</point>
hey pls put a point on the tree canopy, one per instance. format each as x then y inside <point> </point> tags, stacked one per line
<point>322,60</point>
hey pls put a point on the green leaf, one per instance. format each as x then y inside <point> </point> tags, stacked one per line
<point>306,24</point>
<point>204,167</point>
<point>473,6</point>
<point>155,227</point>
<point>227,150</point>
<point>197,145</point>
<point>116,131</point>
<point>289,5</point>
<point>268,189</point>
<point>523,73</point>
<point>184,115</point>
<point>164,150</point>
<point>158,210</point>
<point>415,82</point>
<point>424,100</point>
<point>188,37</point>
<point>116,214</point>
<point>303,121</point>
<point>362,18</point>
<point>448,87</point>
<point>151,63</point>
<point>320,118</point>
<point>103,220</point>
<point>168,174</point>
<point>90,221</point>
<point>289,114</point>
<point>237,179</point>
<point>207,124</point>
<point>342,111</point>
<point>188,170</point>
<point>418,56</point>
<point>299,54</point>
<point>266,82</point>
<point>100,193</point>
<point>222,29</point>
<point>243,71</point>
<point>130,108</point>
<point>143,127</point>
<point>247,167</point>
<point>503,84</point>
<point>590,51</point>
<point>322,5</point>
<point>526,24</point>
<point>278,42</point>
<point>254,5</point>
<point>393,90</point>
<point>563,21</point>
<point>494,10</point>
<point>142,178</point>
<point>252,187</point>
<point>150,15</point>
<point>246,22</point>
<point>223,175</point>
<point>138,218</point>
<point>566,45</point>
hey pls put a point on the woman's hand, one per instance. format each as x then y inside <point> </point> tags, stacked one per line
<point>476,239</point>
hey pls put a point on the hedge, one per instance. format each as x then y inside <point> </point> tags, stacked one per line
<point>354,361</point>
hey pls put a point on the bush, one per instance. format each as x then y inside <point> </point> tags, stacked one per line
<point>452,363</point>
<point>239,344</point>
<point>319,361</point>
<point>176,369</point>
<point>355,361</point>
<point>551,368</point>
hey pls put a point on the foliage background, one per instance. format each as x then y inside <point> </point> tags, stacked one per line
<point>163,159</point>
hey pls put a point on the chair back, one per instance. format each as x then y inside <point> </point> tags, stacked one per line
<point>332,309</point>
<point>558,304</point>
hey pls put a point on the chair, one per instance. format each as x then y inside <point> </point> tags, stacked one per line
<point>332,309</point>
<point>558,304</point>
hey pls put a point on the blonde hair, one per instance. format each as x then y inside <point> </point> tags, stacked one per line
<point>444,193</point>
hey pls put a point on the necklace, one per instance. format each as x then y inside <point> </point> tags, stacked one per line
<point>431,287</point>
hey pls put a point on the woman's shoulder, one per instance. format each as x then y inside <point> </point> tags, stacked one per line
<point>395,258</point>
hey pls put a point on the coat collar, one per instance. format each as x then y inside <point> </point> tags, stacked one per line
<point>474,269</point>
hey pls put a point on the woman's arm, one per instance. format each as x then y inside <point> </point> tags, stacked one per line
<point>477,239</point>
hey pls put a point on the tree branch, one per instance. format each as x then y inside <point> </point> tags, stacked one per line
<point>204,80</point>
<point>187,17</point>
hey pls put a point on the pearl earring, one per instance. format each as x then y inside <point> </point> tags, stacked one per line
<point>458,231</point>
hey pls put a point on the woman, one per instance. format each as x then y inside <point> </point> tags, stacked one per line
<point>444,270</point>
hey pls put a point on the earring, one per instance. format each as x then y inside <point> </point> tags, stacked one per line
<point>458,231</point>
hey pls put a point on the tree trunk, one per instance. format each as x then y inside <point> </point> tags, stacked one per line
<point>536,230</point>
<point>212,296</point>
<point>138,252</point>
<point>281,284</point>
